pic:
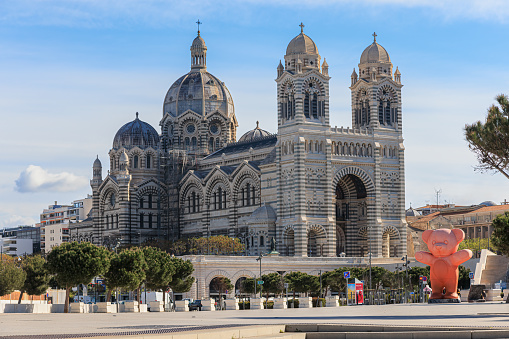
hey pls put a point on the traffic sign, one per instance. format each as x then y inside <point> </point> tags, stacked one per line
<point>424,278</point>
<point>260,282</point>
<point>346,275</point>
<point>471,275</point>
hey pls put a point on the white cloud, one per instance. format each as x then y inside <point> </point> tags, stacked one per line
<point>16,220</point>
<point>37,179</point>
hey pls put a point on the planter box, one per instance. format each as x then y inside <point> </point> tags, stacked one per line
<point>232,304</point>
<point>332,301</point>
<point>57,308</point>
<point>77,307</point>
<point>280,303</point>
<point>305,302</point>
<point>143,308</point>
<point>106,307</point>
<point>256,303</point>
<point>156,306</point>
<point>131,307</point>
<point>493,295</point>
<point>182,306</point>
<point>27,308</point>
<point>208,305</point>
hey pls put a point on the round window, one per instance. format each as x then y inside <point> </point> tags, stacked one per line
<point>190,128</point>
<point>214,129</point>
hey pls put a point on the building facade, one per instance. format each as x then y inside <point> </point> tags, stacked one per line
<point>319,191</point>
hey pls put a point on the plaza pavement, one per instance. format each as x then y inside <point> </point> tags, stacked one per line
<point>58,325</point>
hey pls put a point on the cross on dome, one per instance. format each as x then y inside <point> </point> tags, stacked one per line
<point>374,36</point>
<point>301,27</point>
<point>199,23</point>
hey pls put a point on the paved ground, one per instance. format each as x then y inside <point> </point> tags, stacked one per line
<point>77,325</point>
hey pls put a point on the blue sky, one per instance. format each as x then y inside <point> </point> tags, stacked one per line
<point>73,72</point>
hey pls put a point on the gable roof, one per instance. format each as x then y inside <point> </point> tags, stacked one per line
<point>240,147</point>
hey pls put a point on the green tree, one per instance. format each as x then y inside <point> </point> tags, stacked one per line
<point>76,263</point>
<point>272,283</point>
<point>248,285</point>
<point>489,140</point>
<point>37,276</point>
<point>12,277</point>
<point>463,278</point>
<point>127,270</point>
<point>221,285</point>
<point>160,269</point>
<point>302,282</point>
<point>500,233</point>
<point>182,279</point>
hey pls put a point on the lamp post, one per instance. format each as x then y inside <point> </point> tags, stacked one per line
<point>405,258</point>
<point>479,233</point>
<point>260,260</point>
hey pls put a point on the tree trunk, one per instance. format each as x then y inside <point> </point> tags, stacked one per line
<point>66,305</point>
<point>138,294</point>
<point>20,296</point>
<point>164,299</point>
<point>108,297</point>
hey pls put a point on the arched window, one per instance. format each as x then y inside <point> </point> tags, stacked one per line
<point>150,201</point>
<point>150,221</point>
<point>141,202</point>
<point>306,105</point>
<point>142,220</point>
<point>381,112</point>
<point>388,113</point>
<point>262,241</point>
<point>217,143</point>
<point>314,106</point>
<point>148,161</point>
<point>186,142</point>
<point>193,143</point>
<point>211,144</point>
<point>135,161</point>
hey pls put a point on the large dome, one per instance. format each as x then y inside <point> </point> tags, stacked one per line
<point>136,133</point>
<point>301,44</point>
<point>200,92</point>
<point>375,53</point>
<point>253,134</point>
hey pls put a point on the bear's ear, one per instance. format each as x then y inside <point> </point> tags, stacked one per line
<point>459,234</point>
<point>426,235</point>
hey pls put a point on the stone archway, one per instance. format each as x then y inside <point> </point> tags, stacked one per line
<point>351,206</point>
<point>390,241</point>
<point>316,241</point>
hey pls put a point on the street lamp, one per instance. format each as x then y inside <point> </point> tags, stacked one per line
<point>260,260</point>
<point>405,258</point>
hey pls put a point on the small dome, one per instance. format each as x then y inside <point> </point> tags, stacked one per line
<point>263,215</point>
<point>488,203</point>
<point>375,53</point>
<point>136,133</point>
<point>253,134</point>
<point>412,213</point>
<point>97,163</point>
<point>198,42</point>
<point>200,92</point>
<point>301,44</point>
<point>123,157</point>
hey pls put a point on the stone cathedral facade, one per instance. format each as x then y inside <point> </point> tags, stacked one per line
<point>317,190</point>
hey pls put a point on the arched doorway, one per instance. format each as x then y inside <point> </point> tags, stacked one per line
<point>351,214</point>
<point>316,242</point>
<point>390,239</point>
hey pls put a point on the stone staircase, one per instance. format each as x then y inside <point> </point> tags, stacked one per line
<point>495,270</point>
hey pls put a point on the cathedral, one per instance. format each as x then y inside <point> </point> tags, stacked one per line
<point>313,189</point>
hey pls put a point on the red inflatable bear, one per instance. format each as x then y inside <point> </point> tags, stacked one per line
<point>444,260</point>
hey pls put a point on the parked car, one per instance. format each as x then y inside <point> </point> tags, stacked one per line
<point>195,305</point>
